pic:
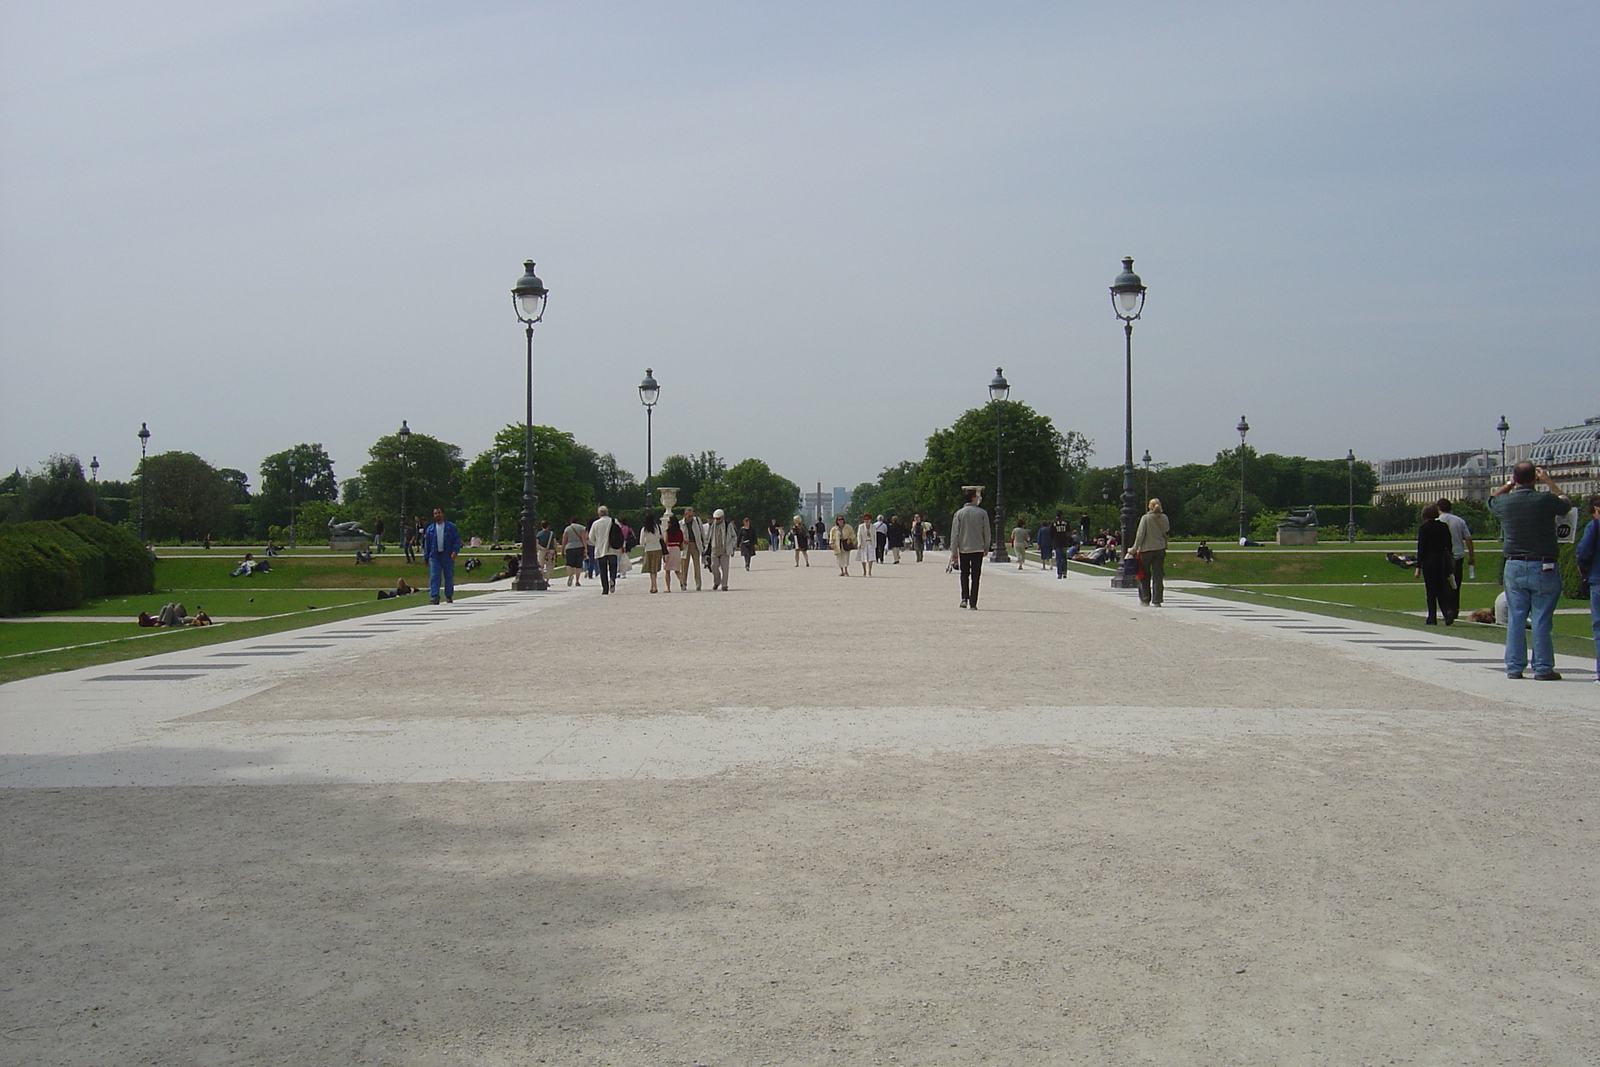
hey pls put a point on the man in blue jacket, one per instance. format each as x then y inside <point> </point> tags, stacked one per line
<point>440,543</point>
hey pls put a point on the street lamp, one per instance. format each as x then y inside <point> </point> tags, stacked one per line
<point>1127,301</point>
<point>494,462</point>
<point>293,469</point>
<point>94,483</point>
<point>1504,429</point>
<point>144,484</point>
<point>999,390</point>
<point>1243,428</point>
<point>1351,458</point>
<point>649,393</point>
<point>528,299</point>
<point>1146,462</point>
<point>406,531</point>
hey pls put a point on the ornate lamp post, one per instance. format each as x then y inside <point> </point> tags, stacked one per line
<point>293,470</point>
<point>1504,429</point>
<point>649,393</point>
<point>94,483</point>
<point>999,390</point>
<point>1146,462</point>
<point>406,532</point>
<point>1351,529</point>
<point>144,484</point>
<point>1127,301</point>
<point>528,298</point>
<point>494,463</point>
<point>1244,532</point>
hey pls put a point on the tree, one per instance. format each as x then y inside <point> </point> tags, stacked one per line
<point>561,493</point>
<point>184,497</point>
<point>432,473</point>
<point>894,493</point>
<point>750,489</point>
<point>57,491</point>
<point>312,480</point>
<point>611,485</point>
<point>690,474</point>
<point>1032,451</point>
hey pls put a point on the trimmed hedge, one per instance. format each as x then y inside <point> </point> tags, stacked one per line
<point>49,566</point>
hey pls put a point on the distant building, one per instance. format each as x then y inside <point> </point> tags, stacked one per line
<point>1424,479</point>
<point>841,500</point>
<point>1570,453</point>
<point>811,502</point>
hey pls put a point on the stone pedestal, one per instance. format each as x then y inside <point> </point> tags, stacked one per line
<point>1297,535</point>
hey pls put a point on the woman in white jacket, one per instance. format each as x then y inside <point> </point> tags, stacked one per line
<point>866,545</point>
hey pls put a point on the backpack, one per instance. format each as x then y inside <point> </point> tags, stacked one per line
<point>615,537</point>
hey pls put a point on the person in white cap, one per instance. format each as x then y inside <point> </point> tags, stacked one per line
<point>724,542</point>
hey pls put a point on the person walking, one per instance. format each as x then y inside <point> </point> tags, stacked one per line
<point>1532,581</point>
<point>1061,534</point>
<point>673,544</point>
<point>1150,545</point>
<point>919,536</point>
<point>1436,565</point>
<point>1589,567</point>
<point>802,541</point>
<point>695,540</point>
<point>575,546</point>
<point>774,536</point>
<point>408,541</point>
<point>545,539</point>
<point>897,537</point>
<point>880,538</point>
<point>1044,541</point>
<point>724,542</point>
<point>1020,542</point>
<point>606,538</point>
<point>842,542</point>
<point>866,544</point>
<point>1462,551</point>
<point>651,549</point>
<point>441,543</point>
<point>747,542</point>
<point>969,540</point>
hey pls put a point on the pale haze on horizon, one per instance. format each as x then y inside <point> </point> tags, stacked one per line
<point>1367,225</point>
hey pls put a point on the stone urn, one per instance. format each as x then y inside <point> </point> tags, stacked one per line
<point>669,496</point>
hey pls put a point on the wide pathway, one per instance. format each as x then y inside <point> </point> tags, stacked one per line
<point>810,820</point>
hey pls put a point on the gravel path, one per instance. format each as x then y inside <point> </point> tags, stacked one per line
<point>813,820</point>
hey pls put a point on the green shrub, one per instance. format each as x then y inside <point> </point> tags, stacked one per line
<point>36,574</point>
<point>90,559</point>
<point>128,567</point>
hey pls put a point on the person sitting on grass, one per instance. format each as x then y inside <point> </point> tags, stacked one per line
<point>1204,552</point>
<point>401,588</point>
<point>363,555</point>
<point>509,570</point>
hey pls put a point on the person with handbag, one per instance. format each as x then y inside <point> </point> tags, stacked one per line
<point>842,541</point>
<point>866,544</point>
<point>1150,545</point>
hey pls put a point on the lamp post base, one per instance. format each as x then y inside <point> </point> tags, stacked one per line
<point>1127,576</point>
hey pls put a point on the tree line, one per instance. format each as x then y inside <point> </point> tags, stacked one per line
<point>183,498</point>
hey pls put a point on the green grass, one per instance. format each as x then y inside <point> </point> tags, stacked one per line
<point>305,588</point>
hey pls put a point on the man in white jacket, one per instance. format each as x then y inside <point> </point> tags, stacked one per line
<point>969,540</point>
<point>695,543</point>
<point>605,556</point>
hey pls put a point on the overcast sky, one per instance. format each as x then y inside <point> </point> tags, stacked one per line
<point>1362,225</point>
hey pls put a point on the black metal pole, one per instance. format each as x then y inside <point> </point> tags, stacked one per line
<point>999,555</point>
<point>1127,576</point>
<point>529,576</point>
<point>649,446</point>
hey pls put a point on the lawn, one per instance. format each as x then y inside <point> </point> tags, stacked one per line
<point>304,588</point>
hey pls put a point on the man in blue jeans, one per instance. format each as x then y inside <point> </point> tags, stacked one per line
<point>440,543</point>
<point>1532,580</point>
